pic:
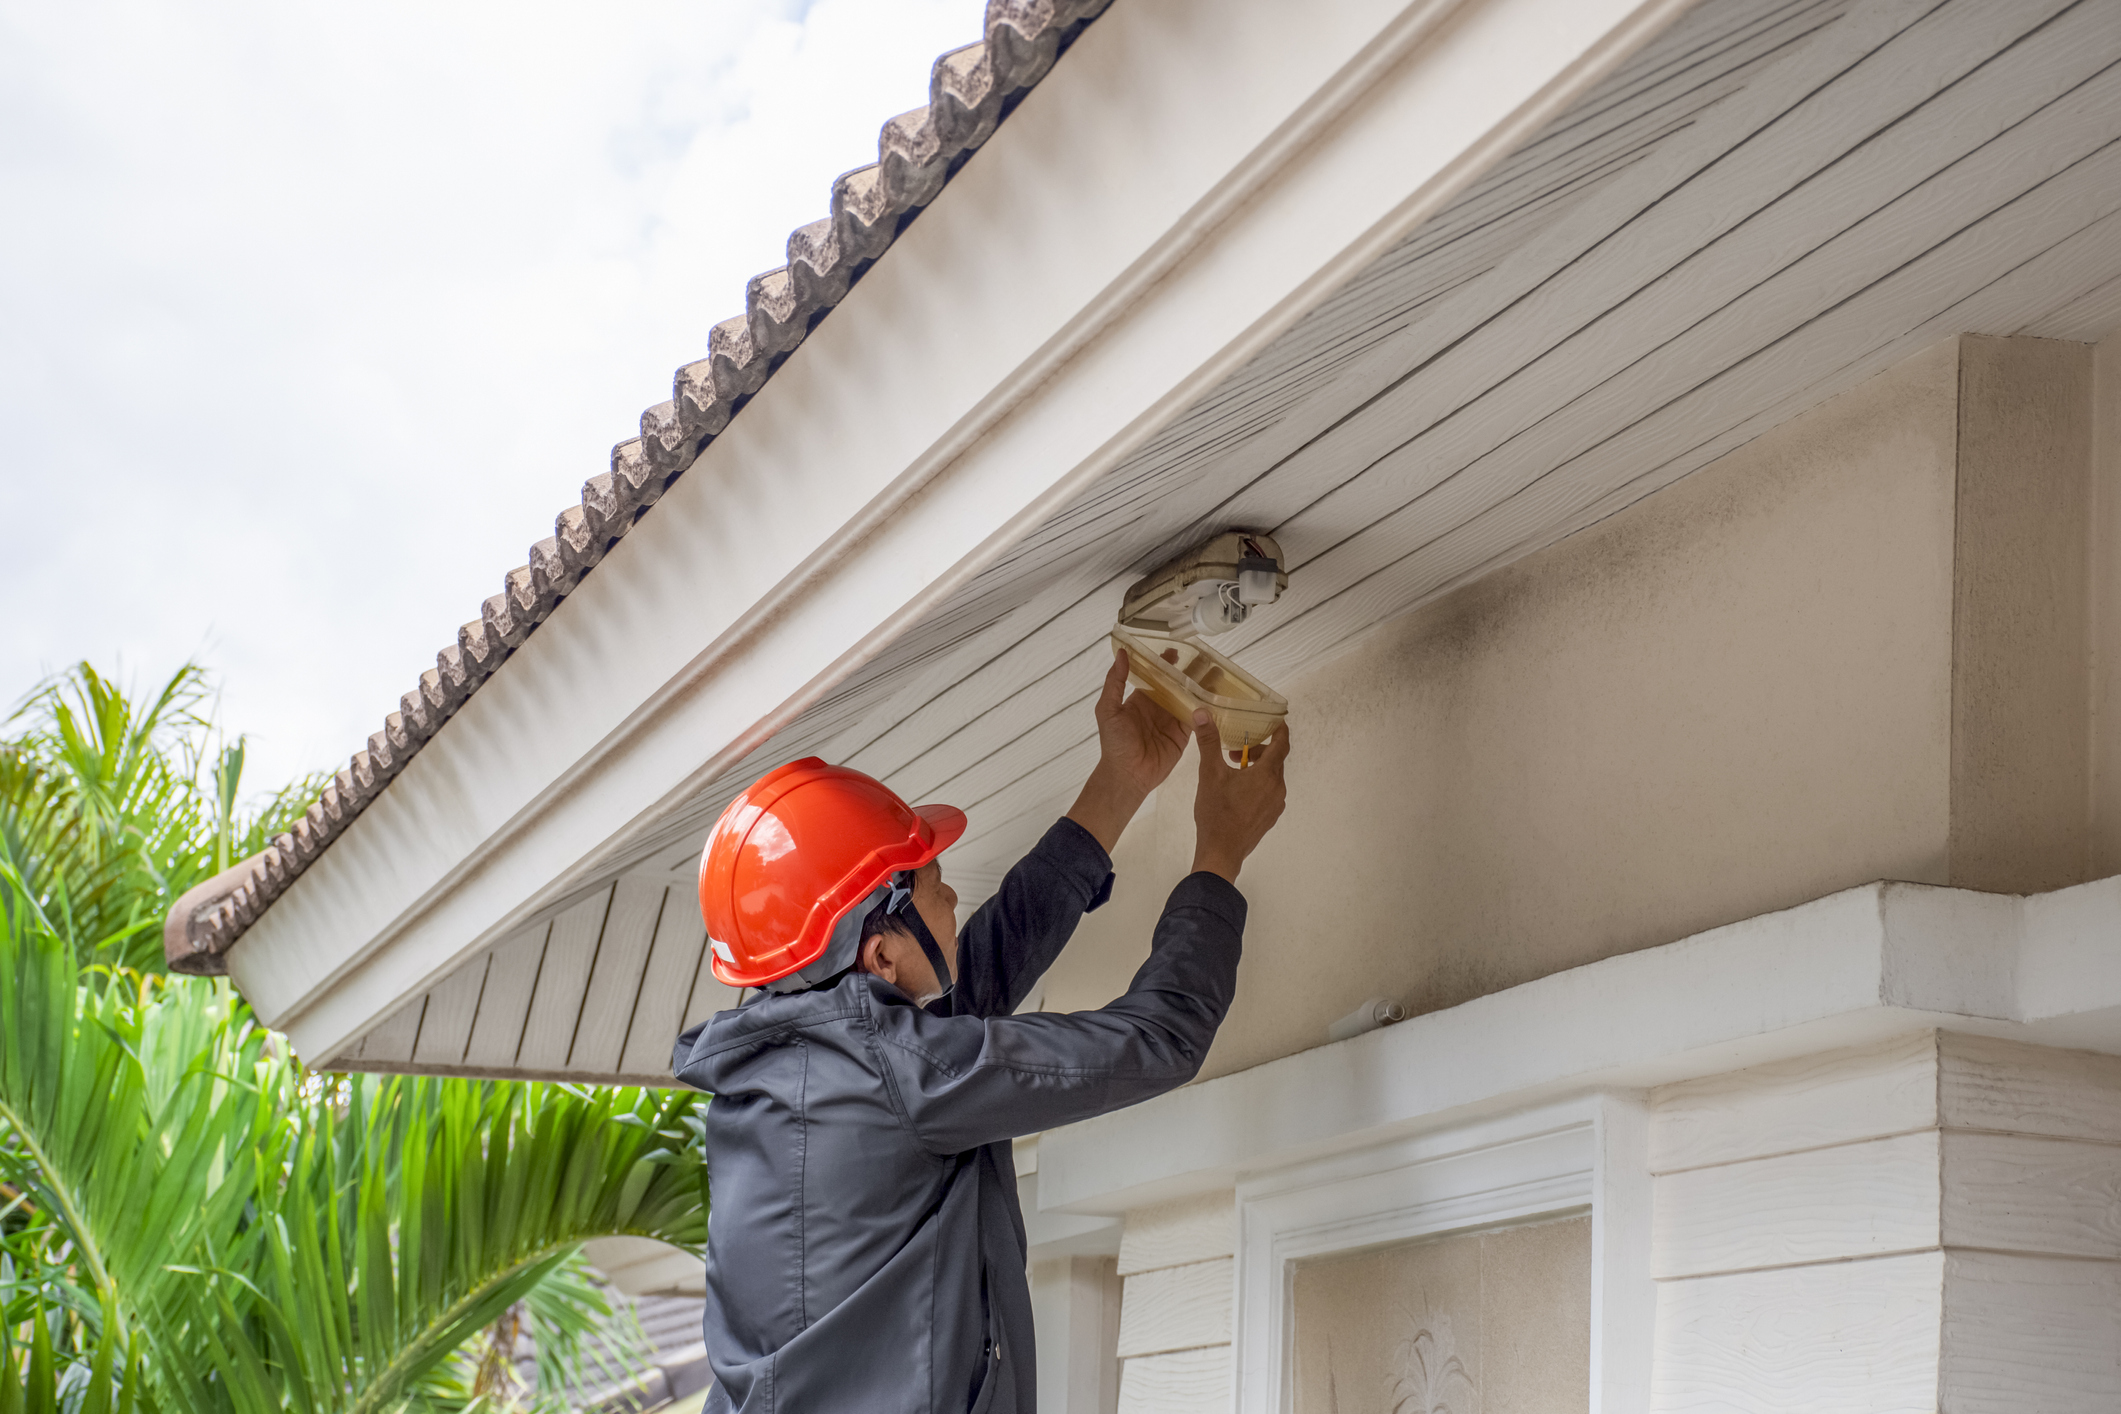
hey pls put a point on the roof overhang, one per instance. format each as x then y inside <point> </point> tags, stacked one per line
<point>1418,289</point>
<point>1188,183</point>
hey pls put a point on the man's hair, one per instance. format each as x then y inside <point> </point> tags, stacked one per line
<point>880,921</point>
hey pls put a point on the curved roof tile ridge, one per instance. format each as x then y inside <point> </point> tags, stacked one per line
<point>970,91</point>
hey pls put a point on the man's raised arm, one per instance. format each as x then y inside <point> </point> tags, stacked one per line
<point>963,1081</point>
<point>1014,937</point>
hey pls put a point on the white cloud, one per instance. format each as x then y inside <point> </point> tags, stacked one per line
<point>313,315</point>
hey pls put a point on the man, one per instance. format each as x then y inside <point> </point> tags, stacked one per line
<point>865,1248</point>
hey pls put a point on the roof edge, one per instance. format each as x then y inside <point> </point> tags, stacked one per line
<point>971,90</point>
<point>187,946</point>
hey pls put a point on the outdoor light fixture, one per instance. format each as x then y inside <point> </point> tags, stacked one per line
<point>1166,618</point>
<point>1210,589</point>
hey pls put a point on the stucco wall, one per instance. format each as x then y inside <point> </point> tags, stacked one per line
<point>2021,689</point>
<point>1732,697</point>
<point>2105,716</point>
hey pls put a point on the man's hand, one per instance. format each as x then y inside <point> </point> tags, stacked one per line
<point>1138,744</point>
<point>1137,740</point>
<point>1235,806</point>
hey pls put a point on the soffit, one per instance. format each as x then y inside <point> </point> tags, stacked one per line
<point>1764,207</point>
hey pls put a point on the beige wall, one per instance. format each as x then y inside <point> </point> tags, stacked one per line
<point>1741,693</point>
<point>2020,687</point>
<point>2105,715</point>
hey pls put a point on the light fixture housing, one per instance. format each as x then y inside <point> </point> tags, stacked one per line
<point>1210,589</point>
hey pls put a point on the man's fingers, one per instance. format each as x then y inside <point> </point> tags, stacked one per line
<point>1211,741</point>
<point>1108,700</point>
<point>1276,749</point>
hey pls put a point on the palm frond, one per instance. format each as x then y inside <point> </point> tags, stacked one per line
<point>438,1205</point>
<point>111,806</point>
<point>189,1220</point>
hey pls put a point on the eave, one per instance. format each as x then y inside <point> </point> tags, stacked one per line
<point>1187,184</point>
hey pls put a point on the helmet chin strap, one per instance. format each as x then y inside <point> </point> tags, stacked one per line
<point>901,906</point>
<point>844,949</point>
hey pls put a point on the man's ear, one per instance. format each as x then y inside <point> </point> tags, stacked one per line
<point>870,958</point>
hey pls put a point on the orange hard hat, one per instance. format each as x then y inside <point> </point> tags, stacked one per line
<point>795,853</point>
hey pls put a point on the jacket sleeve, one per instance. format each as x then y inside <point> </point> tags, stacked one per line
<point>964,1081</point>
<point>1014,937</point>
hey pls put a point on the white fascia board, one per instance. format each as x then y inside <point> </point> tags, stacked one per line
<point>1850,968</point>
<point>1193,177</point>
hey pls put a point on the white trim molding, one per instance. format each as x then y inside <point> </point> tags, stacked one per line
<point>1855,967</point>
<point>1587,1154</point>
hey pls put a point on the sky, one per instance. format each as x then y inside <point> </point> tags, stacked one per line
<point>313,316</point>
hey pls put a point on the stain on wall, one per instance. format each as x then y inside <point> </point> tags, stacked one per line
<point>1732,697</point>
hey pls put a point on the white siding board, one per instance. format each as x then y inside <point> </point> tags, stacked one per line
<point>1033,800</point>
<point>1007,722</point>
<point>675,963</point>
<point>1820,1205</point>
<point>2020,1089</point>
<point>1570,277</point>
<point>1520,524</point>
<point>392,1042</point>
<point>563,971</point>
<point>451,1008</point>
<point>1177,1308</point>
<point>1044,737</point>
<point>1833,1098</point>
<point>1843,1337</point>
<point>615,979</point>
<point>2085,318</point>
<point>2030,1333</point>
<point>2014,1193</point>
<point>1199,1228</point>
<point>957,704</point>
<point>1188,1382</point>
<point>497,1030</point>
<point>1503,465</point>
<point>708,995</point>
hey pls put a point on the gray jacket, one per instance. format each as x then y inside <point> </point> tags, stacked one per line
<point>865,1249</point>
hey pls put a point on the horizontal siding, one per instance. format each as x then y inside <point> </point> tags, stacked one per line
<point>2045,1197</point>
<point>1819,1205</point>
<point>1177,1308</point>
<point>2031,1333</point>
<point>2009,1087</point>
<point>1188,1382</point>
<point>1193,1229</point>
<point>1806,1103</point>
<point>1844,1336</point>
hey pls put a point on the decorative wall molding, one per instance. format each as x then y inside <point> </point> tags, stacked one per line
<point>1855,968</point>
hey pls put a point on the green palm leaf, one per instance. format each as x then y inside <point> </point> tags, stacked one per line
<point>190,1221</point>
